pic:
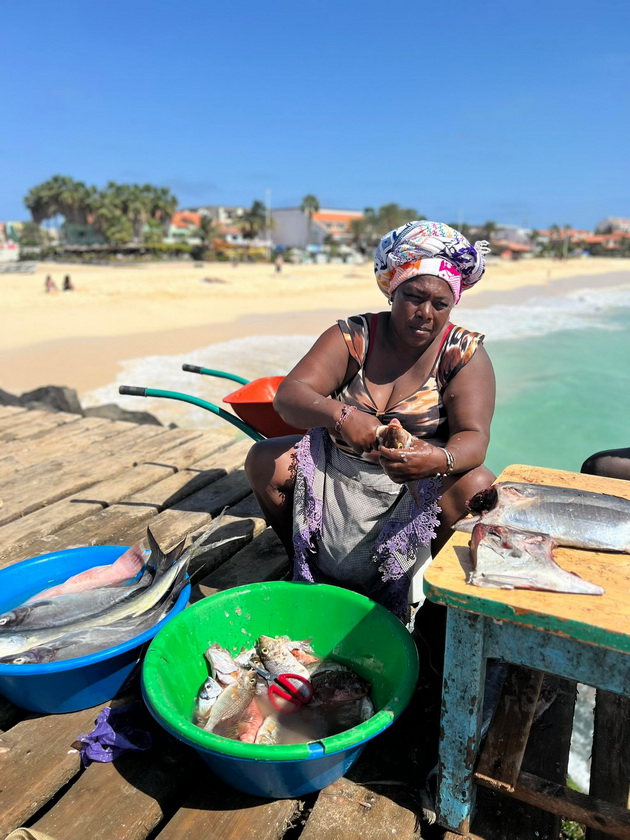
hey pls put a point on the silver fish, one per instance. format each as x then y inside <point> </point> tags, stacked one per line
<point>268,732</point>
<point>504,558</point>
<point>233,700</point>
<point>222,664</point>
<point>278,659</point>
<point>165,578</point>
<point>570,517</point>
<point>205,700</point>
<point>95,638</point>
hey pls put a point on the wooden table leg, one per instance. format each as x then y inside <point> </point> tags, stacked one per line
<point>462,704</point>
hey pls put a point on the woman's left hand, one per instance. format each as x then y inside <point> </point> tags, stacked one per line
<point>420,460</point>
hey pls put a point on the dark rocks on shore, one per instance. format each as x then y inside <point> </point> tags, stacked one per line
<point>61,398</point>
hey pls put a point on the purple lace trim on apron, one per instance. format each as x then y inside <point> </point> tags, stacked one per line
<point>396,537</point>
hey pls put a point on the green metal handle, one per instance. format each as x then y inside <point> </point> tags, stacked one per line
<point>136,391</point>
<point>220,373</point>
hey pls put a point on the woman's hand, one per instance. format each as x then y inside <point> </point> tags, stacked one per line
<point>359,432</point>
<point>420,460</point>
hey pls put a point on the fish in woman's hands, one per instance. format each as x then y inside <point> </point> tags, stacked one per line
<point>504,558</point>
<point>570,517</point>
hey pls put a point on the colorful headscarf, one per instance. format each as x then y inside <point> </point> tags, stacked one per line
<point>428,248</point>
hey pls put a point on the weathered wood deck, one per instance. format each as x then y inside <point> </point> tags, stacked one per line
<point>67,481</point>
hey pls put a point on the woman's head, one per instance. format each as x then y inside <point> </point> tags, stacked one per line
<point>428,248</point>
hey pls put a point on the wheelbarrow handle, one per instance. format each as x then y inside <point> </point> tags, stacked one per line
<point>211,372</point>
<point>136,391</point>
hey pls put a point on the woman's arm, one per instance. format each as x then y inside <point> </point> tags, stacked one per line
<point>302,398</point>
<point>469,404</point>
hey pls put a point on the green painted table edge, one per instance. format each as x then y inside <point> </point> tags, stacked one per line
<point>505,612</point>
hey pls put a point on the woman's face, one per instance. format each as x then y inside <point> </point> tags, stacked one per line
<point>420,308</point>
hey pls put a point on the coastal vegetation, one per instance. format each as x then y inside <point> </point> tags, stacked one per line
<point>117,214</point>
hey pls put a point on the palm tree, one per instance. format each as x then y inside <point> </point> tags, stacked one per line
<point>254,221</point>
<point>207,230</point>
<point>309,205</point>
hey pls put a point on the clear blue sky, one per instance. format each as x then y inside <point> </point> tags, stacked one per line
<point>515,112</point>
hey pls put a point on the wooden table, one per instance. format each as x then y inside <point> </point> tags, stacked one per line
<point>66,481</point>
<point>578,637</point>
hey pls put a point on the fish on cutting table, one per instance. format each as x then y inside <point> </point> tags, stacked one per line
<point>570,517</point>
<point>125,568</point>
<point>505,558</point>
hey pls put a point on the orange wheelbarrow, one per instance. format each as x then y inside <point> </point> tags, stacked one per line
<point>252,402</point>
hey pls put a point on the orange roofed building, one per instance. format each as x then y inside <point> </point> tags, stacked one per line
<point>291,228</point>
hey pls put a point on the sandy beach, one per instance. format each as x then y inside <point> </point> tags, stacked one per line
<point>116,313</point>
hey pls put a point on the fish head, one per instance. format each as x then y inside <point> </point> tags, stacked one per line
<point>393,436</point>
<point>483,501</point>
<point>11,619</point>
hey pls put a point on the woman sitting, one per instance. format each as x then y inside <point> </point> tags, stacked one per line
<point>349,510</point>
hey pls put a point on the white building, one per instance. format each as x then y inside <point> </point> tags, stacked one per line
<point>292,227</point>
<point>613,224</point>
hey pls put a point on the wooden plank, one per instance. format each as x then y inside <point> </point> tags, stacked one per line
<point>70,437</point>
<point>36,760</point>
<point>580,807</point>
<point>61,479</point>
<point>352,812</point>
<point>603,620</point>
<point>123,800</point>
<point>213,810</point>
<point>40,423</point>
<point>610,764</point>
<point>502,754</point>
<point>186,482</point>
<point>500,817</point>
<point>124,523</point>
<point>19,535</point>
<point>8,412</point>
<point>262,559</point>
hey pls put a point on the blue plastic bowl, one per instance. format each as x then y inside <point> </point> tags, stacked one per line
<point>72,684</point>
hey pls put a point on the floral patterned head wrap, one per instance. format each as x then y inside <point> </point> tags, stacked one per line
<point>428,248</point>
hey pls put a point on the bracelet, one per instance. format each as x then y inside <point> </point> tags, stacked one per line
<point>346,411</point>
<point>450,463</point>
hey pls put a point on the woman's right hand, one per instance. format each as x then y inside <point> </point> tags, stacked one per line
<point>359,432</point>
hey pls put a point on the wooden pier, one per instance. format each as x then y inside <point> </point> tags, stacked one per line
<point>67,481</point>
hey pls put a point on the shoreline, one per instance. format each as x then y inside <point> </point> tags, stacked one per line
<point>86,363</point>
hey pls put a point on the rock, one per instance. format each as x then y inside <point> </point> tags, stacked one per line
<point>57,397</point>
<point>8,399</point>
<point>111,411</point>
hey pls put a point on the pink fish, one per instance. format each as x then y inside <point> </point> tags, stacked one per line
<point>126,567</point>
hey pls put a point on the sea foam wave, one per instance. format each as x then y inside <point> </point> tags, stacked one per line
<point>257,356</point>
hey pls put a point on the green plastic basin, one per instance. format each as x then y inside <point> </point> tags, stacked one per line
<point>342,625</point>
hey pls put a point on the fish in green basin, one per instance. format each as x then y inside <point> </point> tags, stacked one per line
<point>504,558</point>
<point>269,731</point>
<point>334,688</point>
<point>233,700</point>
<point>278,659</point>
<point>570,517</point>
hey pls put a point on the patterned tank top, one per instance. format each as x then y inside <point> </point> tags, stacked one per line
<point>421,413</point>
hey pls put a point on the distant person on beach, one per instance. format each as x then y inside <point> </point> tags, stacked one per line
<point>348,510</point>
<point>67,284</point>
<point>611,463</point>
<point>279,262</point>
<point>49,284</point>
